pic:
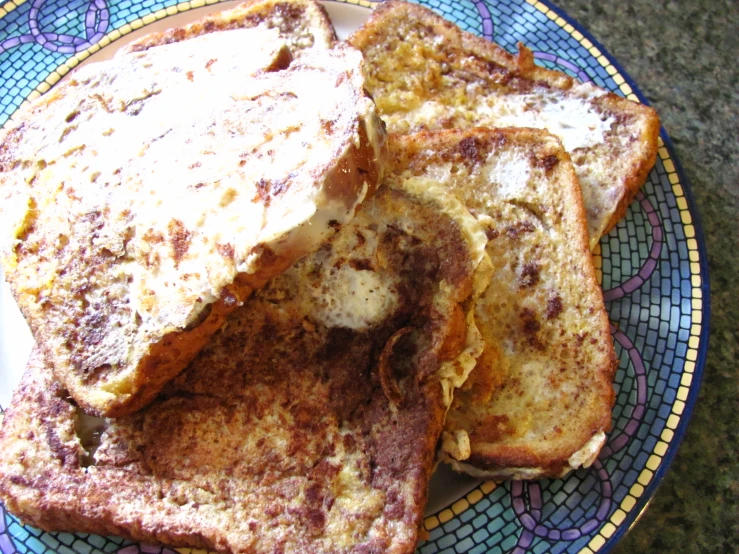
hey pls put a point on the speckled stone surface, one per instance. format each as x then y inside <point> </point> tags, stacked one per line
<point>683,56</point>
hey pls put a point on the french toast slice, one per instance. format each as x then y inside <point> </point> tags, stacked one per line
<point>539,400</point>
<point>139,211</point>
<point>303,24</point>
<point>425,73</point>
<point>308,424</point>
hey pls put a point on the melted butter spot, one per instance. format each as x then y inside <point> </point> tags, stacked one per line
<point>352,298</point>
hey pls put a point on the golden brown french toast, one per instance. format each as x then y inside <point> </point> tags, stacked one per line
<point>303,24</point>
<point>540,397</point>
<point>425,73</point>
<point>308,424</point>
<point>139,211</point>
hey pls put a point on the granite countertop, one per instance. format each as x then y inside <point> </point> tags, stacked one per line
<point>683,56</point>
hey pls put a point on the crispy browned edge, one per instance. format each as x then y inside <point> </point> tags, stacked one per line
<point>446,144</point>
<point>250,14</point>
<point>524,65</point>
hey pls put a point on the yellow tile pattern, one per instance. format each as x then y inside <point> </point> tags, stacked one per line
<point>472,498</point>
<point>598,263</point>
<point>9,6</point>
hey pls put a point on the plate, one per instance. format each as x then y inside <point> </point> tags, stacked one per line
<point>652,268</point>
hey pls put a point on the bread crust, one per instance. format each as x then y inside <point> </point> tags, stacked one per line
<point>543,389</point>
<point>471,82</point>
<point>304,24</point>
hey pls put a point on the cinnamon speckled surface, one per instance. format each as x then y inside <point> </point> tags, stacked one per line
<point>683,56</point>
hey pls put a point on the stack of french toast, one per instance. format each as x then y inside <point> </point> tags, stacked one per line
<point>274,278</point>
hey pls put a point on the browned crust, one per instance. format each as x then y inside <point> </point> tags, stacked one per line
<point>522,69</point>
<point>363,162</point>
<point>640,168</point>
<point>490,453</point>
<point>246,15</point>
